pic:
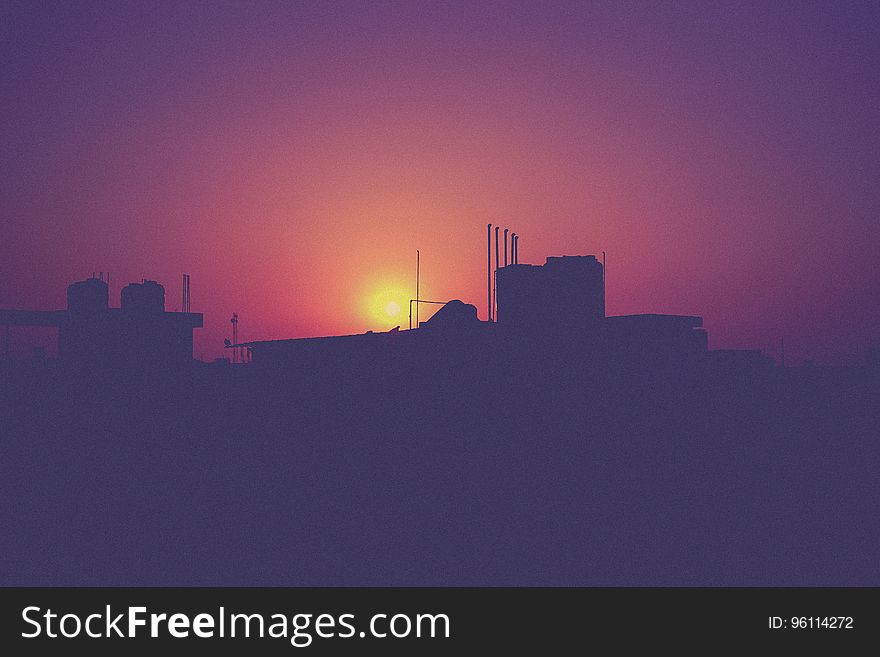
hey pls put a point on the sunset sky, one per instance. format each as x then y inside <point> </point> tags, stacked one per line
<point>291,157</point>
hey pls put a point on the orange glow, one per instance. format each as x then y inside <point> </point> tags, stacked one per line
<point>294,179</point>
<point>386,305</point>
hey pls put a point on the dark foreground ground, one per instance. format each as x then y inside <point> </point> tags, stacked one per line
<point>446,474</point>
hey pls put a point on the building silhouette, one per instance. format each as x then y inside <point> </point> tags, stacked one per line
<point>138,334</point>
<point>565,293</point>
<point>553,312</point>
<point>578,449</point>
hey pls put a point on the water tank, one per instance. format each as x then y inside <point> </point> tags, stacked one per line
<point>566,292</point>
<point>88,297</point>
<point>575,289</point>
<point>147,298</point>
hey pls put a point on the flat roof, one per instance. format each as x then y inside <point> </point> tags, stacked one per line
<point>15,317</point>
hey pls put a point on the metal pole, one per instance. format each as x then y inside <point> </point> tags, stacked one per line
<point>495,284</point>
<point>505,246</point>
<point>603,284</point>
<point>494,290</point>
<point>489,272</point>
<point>234,322</point>
<point>417,287</point>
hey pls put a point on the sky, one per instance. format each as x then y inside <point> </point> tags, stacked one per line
<point>292,157</point>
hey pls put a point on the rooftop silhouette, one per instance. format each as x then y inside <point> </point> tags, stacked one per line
<point>554,446</point>
<point>139,333</point>
<point>556,310</point>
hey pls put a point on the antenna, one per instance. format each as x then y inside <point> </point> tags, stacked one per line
<point>234,322</point>
<point>494,288</point>
<point>505,246</point>
<point>185,300</point>
<point>604,269</point>
<point>418,265</point>
<point>489,272</point>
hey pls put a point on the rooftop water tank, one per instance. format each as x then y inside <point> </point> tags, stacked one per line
<point>88,297</point>
<point>146,298</point>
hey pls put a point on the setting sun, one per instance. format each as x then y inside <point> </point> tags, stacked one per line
<point>387,303</point>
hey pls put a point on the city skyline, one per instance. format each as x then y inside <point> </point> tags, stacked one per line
<point>293,160</point>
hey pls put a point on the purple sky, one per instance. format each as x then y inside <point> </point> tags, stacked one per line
<point>292,158</point>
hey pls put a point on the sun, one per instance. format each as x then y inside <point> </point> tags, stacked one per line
<point>385,304</point>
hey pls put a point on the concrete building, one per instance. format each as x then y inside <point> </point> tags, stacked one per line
<point>140,333</point>
<point>565,293</point>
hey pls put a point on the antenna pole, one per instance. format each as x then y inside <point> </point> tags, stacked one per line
<point>418,272</point>
<point>603,284</point>
<point>489,272</point>
<point>234,322</point>
<point>494,288</point>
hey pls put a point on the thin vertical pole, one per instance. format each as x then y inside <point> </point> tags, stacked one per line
<point>494,288</point>
<point>489,272</point>
<point>234,322</point>
<point>505,246</point>
<point>603,284</point>
<point>417,286</point>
